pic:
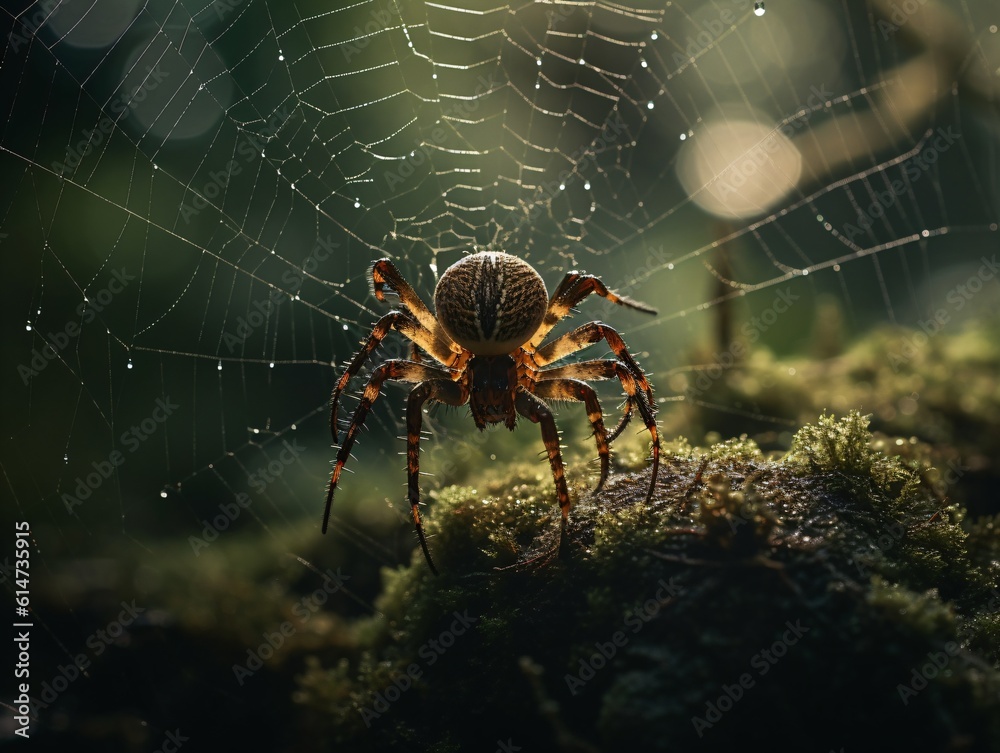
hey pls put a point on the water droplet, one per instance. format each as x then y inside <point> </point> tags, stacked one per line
<point>155,166</point>
<point>836,267</point>
<point>586,186</point>
<point>538,62</point>
<point>670,265</point>
<point>643,63</point>
<point>493,457</point>
<point>538,85</point>
<point>129,364</point>
<point>819,218</point>
<point>684,137</point>
<point>357,204</point>
<point>345,327</point>
<point>805,272</point>
<point>562,186</point>
<point>271,364</point>
<point>163,494</point>
<point>66,458</point>
<point>650,105</point>
<point>653,35</point>
<point>993,29</point>
<point>434,75</point>
<point>201,87</point>
<point>281,57</point>
<point>925,233</point>
<point>581,61</point>
<point>220,365</point>
<point>758,9</point>
<point>28,327</point>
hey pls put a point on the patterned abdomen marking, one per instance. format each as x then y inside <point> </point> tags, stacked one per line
<point>490,303</point>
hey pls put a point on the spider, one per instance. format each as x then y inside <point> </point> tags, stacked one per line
<point>493,314</point>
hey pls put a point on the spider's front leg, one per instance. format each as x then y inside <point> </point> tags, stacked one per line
<point>397,370</point>
<point>406,326</point>
<point>573,289</point>
<point>538,412</point>
<point>443,391</point>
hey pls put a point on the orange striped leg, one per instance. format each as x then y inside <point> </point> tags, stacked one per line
<point>586,335</point>
<point>573,289</point>
<point>443,391</point>
<point>384,273</point>
<point>406,326</point>
<point>533,409</point>
<point>397,370</point>
<point>573,389</point>
<point>611,369</point>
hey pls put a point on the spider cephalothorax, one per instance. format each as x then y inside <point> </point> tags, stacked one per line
<point>492,315</point>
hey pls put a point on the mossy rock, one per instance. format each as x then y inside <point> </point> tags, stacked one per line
<point>829,599</point>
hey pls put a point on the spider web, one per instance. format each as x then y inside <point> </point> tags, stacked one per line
<point>193,194</point>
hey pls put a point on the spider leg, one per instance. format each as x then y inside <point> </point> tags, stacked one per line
<point>586,335</point>
<point>622,422</point>
<point>397,370</point>
<point>406,326</point>
<point>533,409</point>
<point>573,389</point>
<point>443,391</point>
<point>384,273</point>
<point>610,369</point>
<point>573,289</point>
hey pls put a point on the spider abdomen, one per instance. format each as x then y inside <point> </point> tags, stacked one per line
<point>490,303</point>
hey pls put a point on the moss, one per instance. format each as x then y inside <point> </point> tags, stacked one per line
<point>753,598</point>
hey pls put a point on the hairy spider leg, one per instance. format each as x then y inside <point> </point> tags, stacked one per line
<point>396,370</point>
<point>622,422</point>
<point>573,389</point>
<point>533,409</point>
<point>610,369</point>
<point>442,391</point>
<point>406,326</point>
<point>573,289</point>
<point>586,335</point>
<point>384,273</point>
